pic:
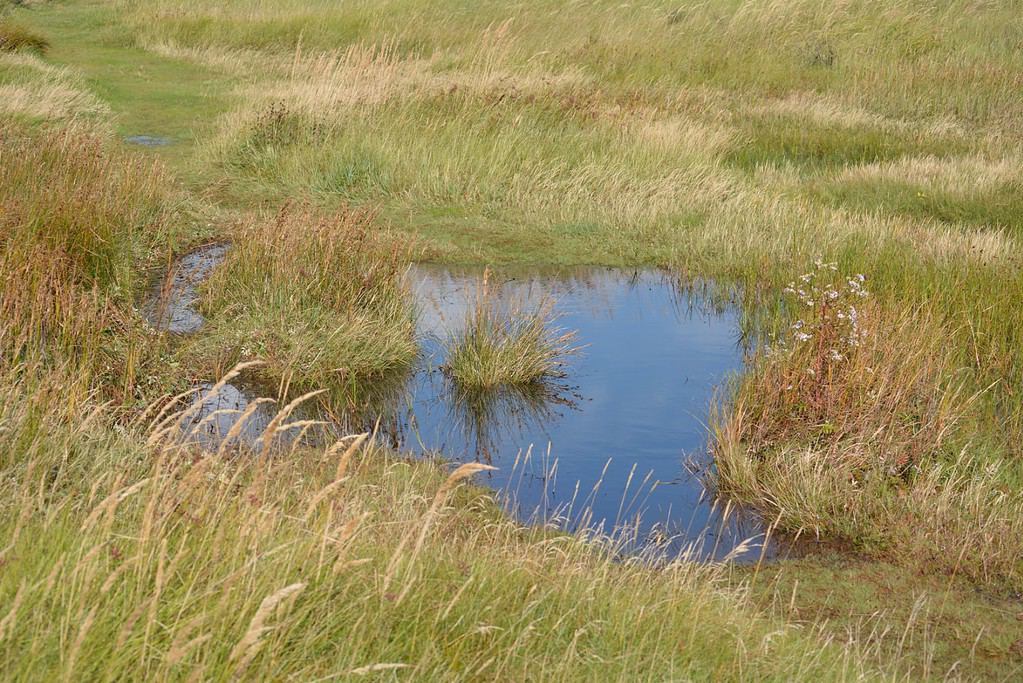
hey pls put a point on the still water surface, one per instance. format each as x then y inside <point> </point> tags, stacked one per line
<point>618,444</point>
<point>621,441</point>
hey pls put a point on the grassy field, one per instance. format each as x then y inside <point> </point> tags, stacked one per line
<point>854,171</point>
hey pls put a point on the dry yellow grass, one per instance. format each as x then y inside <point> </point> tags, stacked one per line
<point>43,91</point>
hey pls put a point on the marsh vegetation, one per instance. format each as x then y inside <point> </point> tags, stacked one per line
<point>832,150</point>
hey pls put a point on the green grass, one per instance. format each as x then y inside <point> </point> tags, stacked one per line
<point>505,345</point>
<point>859,50</point>
<point>147,94</point>
<point>496,179</point>
<point>332,563</point>
<point>942,623</point>
<point>319,299</point>
<point>810,145</point>
<point>726,140</point>
<point>998,206</point>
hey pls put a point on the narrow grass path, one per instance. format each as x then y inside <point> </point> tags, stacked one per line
<point>149,94</point>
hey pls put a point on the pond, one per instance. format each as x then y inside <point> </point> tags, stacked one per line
<point>148,140</point>
<point>621,442</point>
<point>618,445</point>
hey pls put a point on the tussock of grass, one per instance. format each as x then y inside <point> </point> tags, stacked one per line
<point>873,442</point>
<point>130,561</point>
<point>320,298</point>
<point>17,38</point>
<point>510,346</point>
<point>78,221</point>
<point>69,191</point>
<point>37,91</point>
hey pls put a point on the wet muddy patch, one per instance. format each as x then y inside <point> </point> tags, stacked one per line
<point>170,306</point>
<point>148,140</point>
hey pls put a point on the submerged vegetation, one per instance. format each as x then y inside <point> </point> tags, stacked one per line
<point>332,144</point>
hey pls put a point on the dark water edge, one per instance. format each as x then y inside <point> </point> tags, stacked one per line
<point>618,447</point>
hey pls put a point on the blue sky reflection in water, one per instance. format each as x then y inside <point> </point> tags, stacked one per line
<point>638,395</point>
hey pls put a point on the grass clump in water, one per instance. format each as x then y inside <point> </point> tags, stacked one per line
<point>507,345</point>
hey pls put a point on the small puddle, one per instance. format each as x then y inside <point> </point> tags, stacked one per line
<point>170,305</point>
<point>619,445</point>
<point>148,140</point>
<point>215,422</point>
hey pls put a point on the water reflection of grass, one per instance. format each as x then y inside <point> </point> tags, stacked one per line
<point>487,416</point>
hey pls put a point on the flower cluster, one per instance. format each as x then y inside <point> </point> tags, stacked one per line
<point>830,319</point>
